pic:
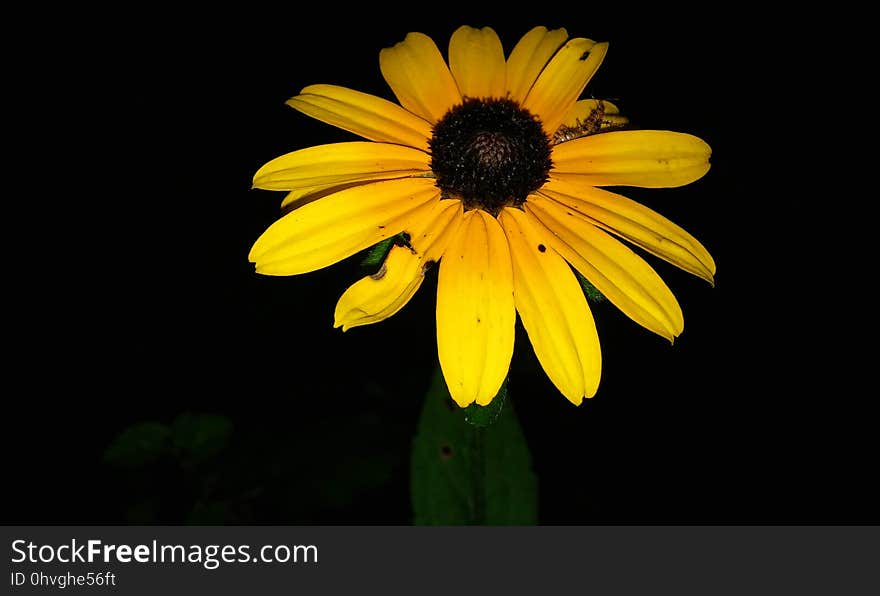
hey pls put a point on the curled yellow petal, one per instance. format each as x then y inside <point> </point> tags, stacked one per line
<point>529,57</point>
<point>377,297</point>
<point>476,60</point>
<point>616,271</point>
<point>563,80</point>
<point>416,72</point>
<point>363,114</point>
<point>635,222</point>
<point>341,163</point>
<point>553,308</point>
<point>475,311</point>
<point>337,226</point>
<point>647,158</point>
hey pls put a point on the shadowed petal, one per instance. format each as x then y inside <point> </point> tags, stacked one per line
<point>341,163</point>
<point>476,60</point>
<point>416,72</point>
<point>363,114</point>
<point>529,58</point>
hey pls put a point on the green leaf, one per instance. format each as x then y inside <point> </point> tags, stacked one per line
<point>483,416</point>
<point>377,253</point>
<point>590,290</point>
<point>138,445</point>
<point>462,474</point>
<point>198,437</point>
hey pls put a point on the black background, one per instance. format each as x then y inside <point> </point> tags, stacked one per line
<point>135,300</point>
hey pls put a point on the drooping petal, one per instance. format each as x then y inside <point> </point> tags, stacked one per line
<point>337,226</point>
<point>648,158</point>
<point>363,114</point>
<point>585,109</point>
<point>553,308</point>
<point>563,80</point>
<point>635,222</point>
<point>341,163</point>
<point>416,72</point>
<point>529,57</point>
<point>616,271</point>
<point>476,59</point>
<point>475,311</point>
<point>376,297</point>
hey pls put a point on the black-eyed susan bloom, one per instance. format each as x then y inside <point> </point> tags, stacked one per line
<point>492,168</point>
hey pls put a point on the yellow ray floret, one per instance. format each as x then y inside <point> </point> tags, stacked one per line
<point>327,231</point>
<point>475,311</point>
<point>376,297</point>
<point>341,163</point>
<point>363,114</point>
<point>616,271</point>
<point>553,309</point>
<point>529,57</point>
<point>646,158</point>
<point>476,60</point>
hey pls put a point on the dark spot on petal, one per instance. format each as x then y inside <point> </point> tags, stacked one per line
<point>585,55</point>
<point>542,248</point>
<point>381,227</point>
<point>479,320</point>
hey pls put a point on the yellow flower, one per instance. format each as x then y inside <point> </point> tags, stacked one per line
<point>491,169</point>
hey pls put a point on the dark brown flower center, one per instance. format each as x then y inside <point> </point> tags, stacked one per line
<point>489,153</point>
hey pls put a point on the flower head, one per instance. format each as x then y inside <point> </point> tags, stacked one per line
<point>492,168</point>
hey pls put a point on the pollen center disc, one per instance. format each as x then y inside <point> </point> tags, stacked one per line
<point>489,153</point>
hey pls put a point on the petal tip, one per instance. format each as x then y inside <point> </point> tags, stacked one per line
<point>461,400</point>
<point>576,399</point>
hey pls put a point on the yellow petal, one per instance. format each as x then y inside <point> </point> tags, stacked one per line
<point>366,115</point>
<point>648,158</point>
<point>303,196</point>
<point>341,163</point>
<point>585,109</point>
<point>553,308</point>
<point>476,60</point>
<point>616,271</point>
<point>376,297</point>
<point>562,81</point>
<point>475,312</point>
<point>635,222</point>
<point>529,58</point>
<point>337,226</point>
<point>416,72</point>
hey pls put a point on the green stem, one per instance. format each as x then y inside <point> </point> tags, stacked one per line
<point>478,468</point>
